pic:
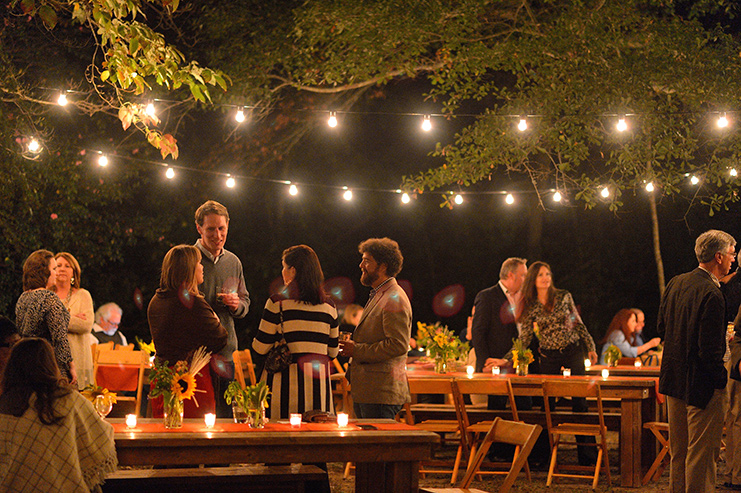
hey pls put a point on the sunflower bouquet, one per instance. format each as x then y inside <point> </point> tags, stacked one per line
<point>176,384</point>
<point>441,344</point>
<point>612,355</point>
<point>147,348</point>
<point>521,357</point>
<point>92,391</point>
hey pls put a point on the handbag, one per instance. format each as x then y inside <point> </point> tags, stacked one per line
<point>279,357</point>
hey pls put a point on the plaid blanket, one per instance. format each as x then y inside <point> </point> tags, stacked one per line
<point>72,456</point>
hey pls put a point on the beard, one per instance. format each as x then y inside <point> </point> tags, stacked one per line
<point>368,278</point>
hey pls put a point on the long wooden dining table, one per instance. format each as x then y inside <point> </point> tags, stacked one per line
<point>386,453</point>
<point>638,397</point>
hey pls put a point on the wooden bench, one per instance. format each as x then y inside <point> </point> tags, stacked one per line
<point>294,478</point>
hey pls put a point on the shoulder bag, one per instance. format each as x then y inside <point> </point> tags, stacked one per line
<point>279,357</point>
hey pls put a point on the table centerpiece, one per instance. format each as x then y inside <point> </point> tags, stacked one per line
<point>248,403</point>
<point>442,345</point>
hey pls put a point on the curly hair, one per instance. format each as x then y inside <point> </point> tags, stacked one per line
<point>384,251</point>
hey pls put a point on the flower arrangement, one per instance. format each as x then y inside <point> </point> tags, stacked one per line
<point>177,383</point>
<point>521,356</point>
<point>251,400</point>
<point>612,355</point>
<point>442,344</point>
<point>147,348</point>
<point>92,391</point>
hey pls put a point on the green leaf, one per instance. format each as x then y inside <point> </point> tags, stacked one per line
<point>48,16</point>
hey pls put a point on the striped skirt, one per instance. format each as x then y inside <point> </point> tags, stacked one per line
<point>303,386</point>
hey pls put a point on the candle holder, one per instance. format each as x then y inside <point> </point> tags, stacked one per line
<point>605,373</point>
<point>342,419</point>
<point>296,420</point>
<point>131,421</point>
<point>567,372</point>
<point>210,420</point>
<point>587,363</point>
<point>469,371</point>
<point>496,370</point>
<point>637,363</point>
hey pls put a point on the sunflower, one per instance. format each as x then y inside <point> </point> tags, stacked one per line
<point>183,385</point>
<point>92,391</point>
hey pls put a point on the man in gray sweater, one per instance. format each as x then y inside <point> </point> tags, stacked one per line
<point>224,289</point>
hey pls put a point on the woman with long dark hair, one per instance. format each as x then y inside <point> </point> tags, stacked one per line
<point>622,332</point>
<point>51,438</point>
<point>308,320</point>
<point>181,321</point>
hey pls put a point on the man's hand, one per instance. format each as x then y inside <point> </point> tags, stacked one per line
<point>492,362</point>
<point>592,357</point>
<point>230,300</point>
<point>347,348</point>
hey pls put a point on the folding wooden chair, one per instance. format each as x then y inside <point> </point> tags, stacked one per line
<point>476,431</point>
<point>658,428</point>
<point>572,388</point>
<point>437,386</point>
<point>341,389</point>
<point>125,361</point>
<point>242,361</point>
<point>522,435</point>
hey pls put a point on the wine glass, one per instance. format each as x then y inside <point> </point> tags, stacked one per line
<point>102,406</point>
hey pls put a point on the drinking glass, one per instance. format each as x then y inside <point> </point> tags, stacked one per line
<point>102,406</point>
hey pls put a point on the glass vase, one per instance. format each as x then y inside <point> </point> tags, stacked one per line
<point>173,410</point>
<point>441,365</point>
<point>521,370</point>
<point>239,414</point>
<point>256,417</point>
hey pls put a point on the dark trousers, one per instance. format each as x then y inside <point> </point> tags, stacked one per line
<point>221,380</point>
<point>550,364</point>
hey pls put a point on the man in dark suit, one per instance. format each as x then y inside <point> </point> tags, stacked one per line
<point>693,377</point>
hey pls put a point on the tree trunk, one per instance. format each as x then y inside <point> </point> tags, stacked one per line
<point>657,246</point>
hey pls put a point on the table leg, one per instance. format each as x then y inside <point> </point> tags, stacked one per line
<point>637,448</point>
<point>388,477</point>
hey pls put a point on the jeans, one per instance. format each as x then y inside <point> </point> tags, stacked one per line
<point>376,411</point>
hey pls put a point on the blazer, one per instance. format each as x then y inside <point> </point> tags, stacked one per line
<point>493,326</point>
<point>377,371</point>
<point>692,324</point>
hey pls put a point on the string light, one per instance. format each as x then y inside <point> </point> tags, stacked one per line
<point>62,100</point>
<point>230,182</point>
<point>293,190</point>
<point>347,195</point>
<point>332,122</point>
<point>649,187</point>
<point>34,146</point>
<point>509,199</point>
<point>694,180</point>
<point>733,172</point>
<point>621,126</point>
<point>426,123</point>
<point>458,199</point>
<point>722,121</point>
<point>522,126</point>
<point>605,192</point>
<point>150,110</point>
<point>103,161</point>
<point>170,173</point>
<point>557,196</point>
<point>405,198</point>
<point>240,115</point>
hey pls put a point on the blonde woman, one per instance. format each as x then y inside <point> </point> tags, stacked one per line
<point>181,321</point>
<point>79,303</point>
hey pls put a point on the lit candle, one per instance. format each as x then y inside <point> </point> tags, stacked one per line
<point>605,373</point>
<point>342,419</point>
<point>131,421</point>
<point>296,420</point>
<point>567,372</point>
<point>469,371</point>
<point>210,420</point>
<point>637,363</point>
<point>587,363</point>
<point>495,370</point>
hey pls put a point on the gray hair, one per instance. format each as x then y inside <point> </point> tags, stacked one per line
<point>104,311</point>
<point>511,265</point>
<point>711,242</point>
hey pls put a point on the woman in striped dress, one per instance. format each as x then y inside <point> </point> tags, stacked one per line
<point>310,326</point>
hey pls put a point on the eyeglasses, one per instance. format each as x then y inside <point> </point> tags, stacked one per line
<point>113,324</point>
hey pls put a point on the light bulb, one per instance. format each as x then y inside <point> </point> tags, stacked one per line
<point>426,124</point>
<point>458,199</point>
<point>293,189</point>
<point>332,122</point>
<point>733,172</point>
<point>239,116</point>
<point>230,182</point>
<point>522,126</point>
<point>694,180</point>
<point>103,161</point>
<point>62,100</point>
<point>34,146</point>
<point>649,187</point>
<point>170,173</point>
<point>557,196</point>
<point>621,126</point>
<point>509,199</point>
<point>722,121</point>
<point>150,110</point>
<point>405,198</point>
<point>605,192</point>
<point>347,195</point>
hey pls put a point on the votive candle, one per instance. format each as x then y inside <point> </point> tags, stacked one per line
<point>495,370</point>
<point>587,363</point>
<point>605,373</point>
<point>342,419</point>
<point>469,371</point>
<point>210,420</point>
<point>131,421</point>
<point>637,363</point>
<point>567,372</point>
<point>296,420</point>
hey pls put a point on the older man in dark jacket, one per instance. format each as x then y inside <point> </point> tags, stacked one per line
<point>692,323</point>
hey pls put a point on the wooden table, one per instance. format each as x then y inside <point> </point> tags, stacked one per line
<point>387,458</point>
<point>638,405</point>
<point>625,371</point>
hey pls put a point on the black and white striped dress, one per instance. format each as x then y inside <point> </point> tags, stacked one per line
<point>311,332</point>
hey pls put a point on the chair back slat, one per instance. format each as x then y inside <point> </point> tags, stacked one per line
<point>489,386</point>
<point>113,357</point>
<point>243,360</point>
